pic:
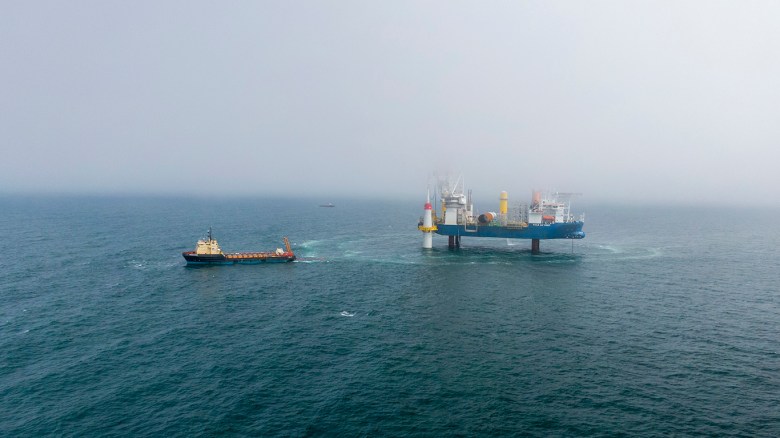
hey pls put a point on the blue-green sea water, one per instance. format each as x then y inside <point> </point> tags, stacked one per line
<point>664,321</point>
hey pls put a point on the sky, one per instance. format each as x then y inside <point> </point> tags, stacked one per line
<point>643,101</point>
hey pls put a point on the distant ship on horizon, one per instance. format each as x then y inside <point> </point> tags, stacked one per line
<point>329,204</point>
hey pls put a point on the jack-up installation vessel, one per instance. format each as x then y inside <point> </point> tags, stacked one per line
<point>546,217</point>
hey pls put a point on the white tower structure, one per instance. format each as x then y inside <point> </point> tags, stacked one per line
<point>427,226</point>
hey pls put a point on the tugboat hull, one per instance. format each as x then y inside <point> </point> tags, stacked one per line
<point>236,258</point>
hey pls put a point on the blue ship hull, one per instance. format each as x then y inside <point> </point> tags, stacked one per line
<point>566,230</point>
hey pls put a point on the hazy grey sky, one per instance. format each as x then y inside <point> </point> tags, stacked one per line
<point>617,99</point>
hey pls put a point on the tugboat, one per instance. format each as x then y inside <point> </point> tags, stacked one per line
<point>208,252</point>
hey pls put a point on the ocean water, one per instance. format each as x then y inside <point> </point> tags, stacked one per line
<point>663,321</point>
